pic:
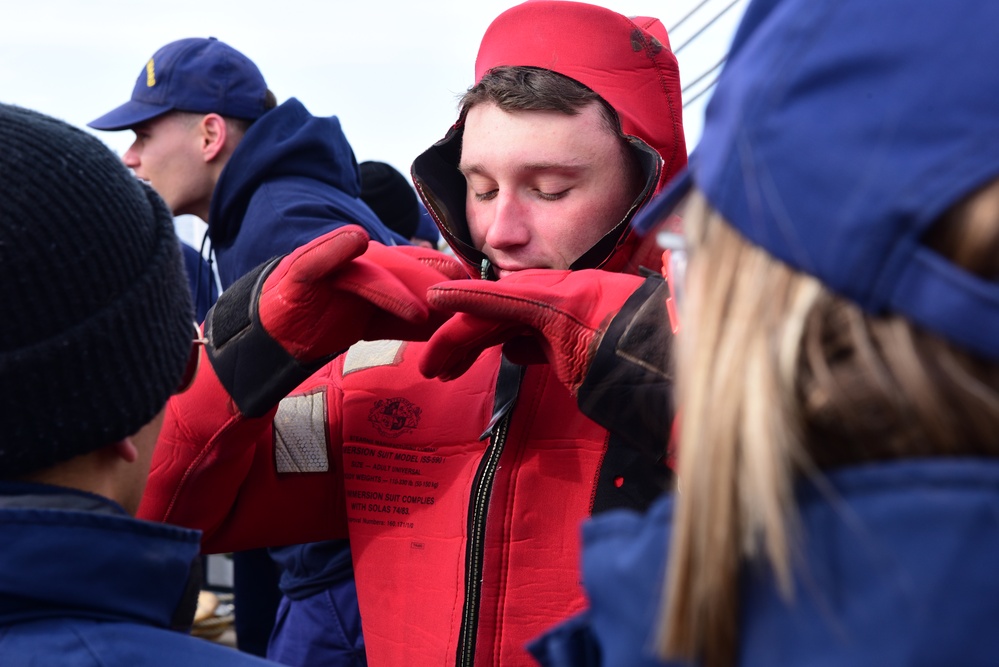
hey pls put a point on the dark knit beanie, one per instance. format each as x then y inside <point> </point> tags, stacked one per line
<point>391,196</point>
<point>97,322</point>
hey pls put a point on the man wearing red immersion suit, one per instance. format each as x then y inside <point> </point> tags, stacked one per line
<point>460,468</point>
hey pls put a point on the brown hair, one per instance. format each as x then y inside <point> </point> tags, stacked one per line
<point>241,125</point>
<point>536,89</point>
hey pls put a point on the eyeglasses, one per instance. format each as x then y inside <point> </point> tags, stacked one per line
<point>675,271</point>
<point>193,361</point>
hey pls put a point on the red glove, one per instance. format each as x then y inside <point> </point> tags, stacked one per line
<point>539,315</point>
<point>280,323</point>
<point>341,288</point>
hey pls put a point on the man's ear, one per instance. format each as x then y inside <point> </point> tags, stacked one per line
<point>126,450</point>
<point>214,134</point>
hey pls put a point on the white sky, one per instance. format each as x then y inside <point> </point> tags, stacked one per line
<point>391,70</point>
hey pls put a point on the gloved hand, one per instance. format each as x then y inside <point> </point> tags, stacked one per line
<point>341,288</point>
<point>540,315</point>
<point>281,322</point>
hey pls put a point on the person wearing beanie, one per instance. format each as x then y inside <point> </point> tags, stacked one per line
<point>838,360</point>
<point>336,405</point>
<point>98,335</point>
<point>266,178</point>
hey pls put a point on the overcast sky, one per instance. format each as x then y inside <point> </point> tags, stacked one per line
<point>391,70</point>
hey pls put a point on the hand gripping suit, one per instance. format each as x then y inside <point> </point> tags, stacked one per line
<point>462,499</point>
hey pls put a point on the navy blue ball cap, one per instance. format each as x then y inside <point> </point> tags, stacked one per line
<point>200,75</point>
<point>840,132</point>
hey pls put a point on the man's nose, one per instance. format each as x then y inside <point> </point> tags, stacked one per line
<point>131,157</point>
<point>509,224</point>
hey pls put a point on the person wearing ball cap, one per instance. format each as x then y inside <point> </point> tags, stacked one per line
<point>838,360</point>
<point>266,178</point>
<point>213,141</point>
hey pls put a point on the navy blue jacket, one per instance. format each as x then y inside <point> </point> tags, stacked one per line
<point>204,291</point>
<point>292,178</point>
<point>901,570</point>
<point>82,584</point>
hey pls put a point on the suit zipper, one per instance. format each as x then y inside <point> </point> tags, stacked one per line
<point>507,389</point>
<point>475,549</point>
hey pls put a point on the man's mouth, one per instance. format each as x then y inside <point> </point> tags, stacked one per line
<point>502,271</point>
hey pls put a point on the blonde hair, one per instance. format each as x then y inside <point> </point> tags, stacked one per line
<point>778,378</point>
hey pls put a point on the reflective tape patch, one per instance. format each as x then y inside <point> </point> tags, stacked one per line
<point>372,353</point>
<point>300,434</point>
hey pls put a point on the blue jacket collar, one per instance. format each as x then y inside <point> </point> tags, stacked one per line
<point>75,554</point>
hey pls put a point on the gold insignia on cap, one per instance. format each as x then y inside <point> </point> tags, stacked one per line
<point>150,74</point>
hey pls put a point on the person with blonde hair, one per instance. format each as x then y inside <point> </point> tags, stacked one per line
<point>838,360</point>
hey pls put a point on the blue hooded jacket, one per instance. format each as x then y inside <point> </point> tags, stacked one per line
<point>291,179</point>
<point>82,584</point>
<point>900,568</point>
<point>202,281</point>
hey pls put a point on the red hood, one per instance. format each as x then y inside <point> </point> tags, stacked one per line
<point>627,61</point>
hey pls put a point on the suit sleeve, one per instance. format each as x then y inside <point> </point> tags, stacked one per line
<point>628,388</point>
<point>250,482</point>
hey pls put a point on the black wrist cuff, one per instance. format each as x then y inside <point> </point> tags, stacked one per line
<point>252,366</point>
<point>629,385</point>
